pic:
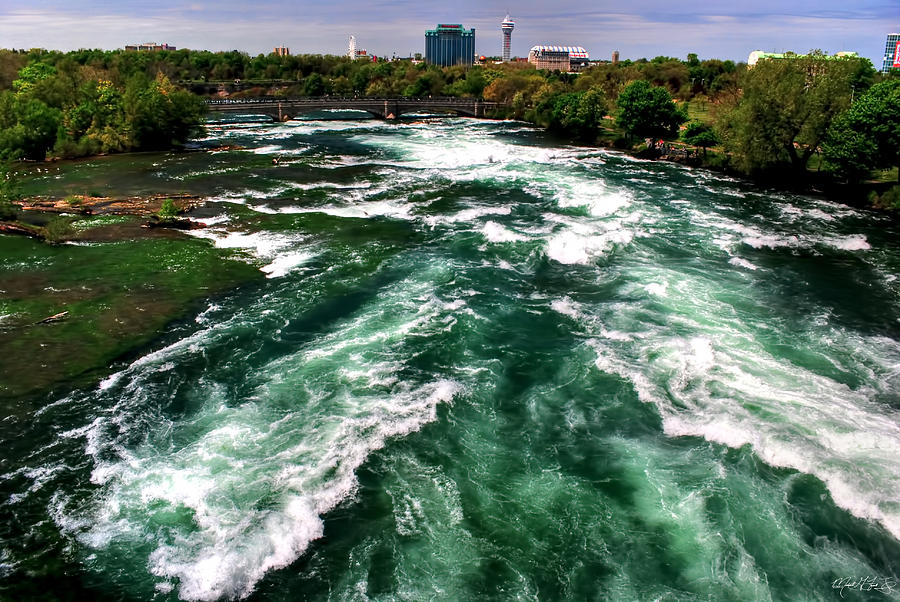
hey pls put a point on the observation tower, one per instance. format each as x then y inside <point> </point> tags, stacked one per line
<point>507,28</point>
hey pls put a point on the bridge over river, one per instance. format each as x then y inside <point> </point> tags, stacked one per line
<point>283,109</point>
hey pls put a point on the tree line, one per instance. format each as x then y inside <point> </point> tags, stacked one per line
<point>51,104</point>
<point>767,122</point>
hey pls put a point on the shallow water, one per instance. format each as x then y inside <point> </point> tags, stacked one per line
<point>474,364</point>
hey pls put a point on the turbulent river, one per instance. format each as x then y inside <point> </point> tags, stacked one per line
<point>464,361</point>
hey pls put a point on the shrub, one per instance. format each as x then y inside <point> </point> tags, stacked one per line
<point>168,211</point>
<point>58,229</point>
<point>890,199</point>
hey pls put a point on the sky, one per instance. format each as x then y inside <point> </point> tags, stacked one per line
<point>639,28</point>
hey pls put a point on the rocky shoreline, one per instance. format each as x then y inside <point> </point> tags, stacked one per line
<point>94,205</point>
<point>33,223</point>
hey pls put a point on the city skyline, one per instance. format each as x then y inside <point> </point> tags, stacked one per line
<point>388,28</point>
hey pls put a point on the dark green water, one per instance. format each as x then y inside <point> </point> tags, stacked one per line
<point>456,360</point>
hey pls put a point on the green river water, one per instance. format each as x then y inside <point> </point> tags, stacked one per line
<point>448,360</point>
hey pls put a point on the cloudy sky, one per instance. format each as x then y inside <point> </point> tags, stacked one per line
<point>639,28</point>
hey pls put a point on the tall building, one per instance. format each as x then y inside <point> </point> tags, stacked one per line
<point>449,45</point>
<point>507,28</point>
<point>356,53</point>
<point>891,53</point>
<point>615,57</point>
<point>282,51</point>
<point>558,58</point>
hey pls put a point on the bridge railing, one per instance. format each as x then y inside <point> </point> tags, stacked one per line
<point>442,100</point>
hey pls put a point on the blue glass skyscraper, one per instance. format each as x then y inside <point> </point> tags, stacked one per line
<point>449,45</point>
<point>891,53</point>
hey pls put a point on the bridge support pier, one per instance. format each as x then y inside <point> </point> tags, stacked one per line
<point>391,110</point>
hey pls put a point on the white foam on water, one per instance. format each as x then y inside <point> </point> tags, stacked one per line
<point>465,216</point>
<point>596,196</point>
<point>211,171</point>
<point>262,209</point>
<point>279,250</point>
<point>211,221</point>
<point>567,307</point>
<point>742,263</point>
<point>570,248</point>
<point>728,234</point>
<point>268,150</point>
<point>771,241</point>
<point>241,197</point>
<point>806,213</point>
<point>263,244</point>
<point>241,487</point>
<point>331,186</point>
<point>724,386</point>
<point>460,158</point>
<point>284,264</point>
<point>584,243</point>
<point>394,208</point>
<point>657,288</point>
<point>319,126</point>
<point>496,233</point>
<point>855,242</point>
<point>236,198</point>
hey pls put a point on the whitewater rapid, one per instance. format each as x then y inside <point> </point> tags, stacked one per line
<point>461,277</point>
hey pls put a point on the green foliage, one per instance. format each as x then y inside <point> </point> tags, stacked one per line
<point>647,111</point>
<point>786,109</point>
<point>168,211</point>
<point>576,113</point>
<point>58,229</point>
<point>314,85</point>
<point>28,127</point>
<point>158,115</point>
<point>890,199</point>
<point>93,101</point>
<point>75,110</point>
<point>867,135</point>
<point>31,75</point>
<point>699,134</point>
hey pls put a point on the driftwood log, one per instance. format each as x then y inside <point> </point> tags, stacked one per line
<point>177,223</point>
<point>54,318</point>
<point>18,228</point>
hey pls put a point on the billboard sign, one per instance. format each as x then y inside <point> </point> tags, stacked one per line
<point>896,64</point>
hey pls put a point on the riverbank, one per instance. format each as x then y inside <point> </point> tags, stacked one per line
<point>94,205</point>
<point>814,182</point>
<point>73,218</point>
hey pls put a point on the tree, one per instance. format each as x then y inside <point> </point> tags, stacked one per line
<point>699,134</point>
<point>647,111</point>
<point>867,135</point>
<point>786,109</point>
<point>168,211</point>
<point>31,75</point>
<point>28,127</point>
<point>314,85</point>
<point>158,115</point>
